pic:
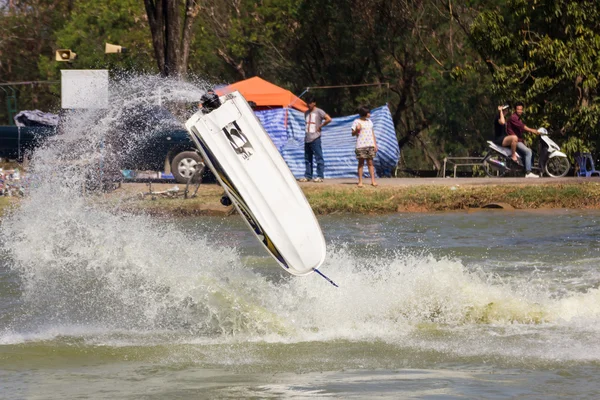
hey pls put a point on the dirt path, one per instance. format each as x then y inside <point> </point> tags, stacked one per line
<point>389,182</point>
<point>461,181</point>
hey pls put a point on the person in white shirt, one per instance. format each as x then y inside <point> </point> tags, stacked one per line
<point>366,144</point>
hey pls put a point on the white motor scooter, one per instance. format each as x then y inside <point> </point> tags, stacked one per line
<point>550,160</point>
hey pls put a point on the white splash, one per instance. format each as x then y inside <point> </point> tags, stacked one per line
<point>89,270</point>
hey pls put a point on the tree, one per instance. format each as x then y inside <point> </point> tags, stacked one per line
<point>438,98</point>
<point>251,37</point>
<point>545,53</point>
<point>91,25</point>
<point>26,34</point>
<point>172,33</point>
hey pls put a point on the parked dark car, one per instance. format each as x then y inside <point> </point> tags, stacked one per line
<point>148,138</point>
<point>16,142</point>
<point>151,138</point>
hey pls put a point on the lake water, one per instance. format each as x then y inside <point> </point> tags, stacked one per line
<point>493,305</point>
<point>99,304</point>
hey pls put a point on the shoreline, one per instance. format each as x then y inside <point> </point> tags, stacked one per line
<point>410,195</point>
<point>342,196</point>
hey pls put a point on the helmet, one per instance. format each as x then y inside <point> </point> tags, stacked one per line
<point>542,131</point>
<point>210,101</point>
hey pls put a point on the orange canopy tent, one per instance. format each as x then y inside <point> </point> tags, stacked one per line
<point>264,94</point>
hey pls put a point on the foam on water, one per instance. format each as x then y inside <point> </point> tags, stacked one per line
<point>87,270</point>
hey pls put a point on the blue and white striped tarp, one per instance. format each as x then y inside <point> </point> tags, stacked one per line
<point>337,142</point>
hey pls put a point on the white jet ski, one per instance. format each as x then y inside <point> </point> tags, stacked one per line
<point>255,177</point>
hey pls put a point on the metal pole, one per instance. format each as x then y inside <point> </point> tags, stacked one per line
<point>29,83</point>
<point>345,86</point>
<point>298,98</point>
<point>18,142</point>
<point>11,99</point>
<point>7,106</point>
<point>11,105</point>
<point>387,100</point>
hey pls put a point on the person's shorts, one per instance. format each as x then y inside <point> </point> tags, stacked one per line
<point>499,140</point>
<point>367,153</point>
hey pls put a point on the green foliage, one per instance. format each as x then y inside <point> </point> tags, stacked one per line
<point>459,109</point>
<point>545,52</point>
<point>573,145</point>
<point>26,31</point>
<point>447,64</point>
<point>91,25</point>
<point>238,40</point>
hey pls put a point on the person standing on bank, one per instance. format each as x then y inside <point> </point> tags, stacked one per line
<point>366,144</point>
<point>315,119</point>
<point>516,127</point>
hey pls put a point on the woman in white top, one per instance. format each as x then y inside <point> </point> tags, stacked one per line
<point>366,144</point>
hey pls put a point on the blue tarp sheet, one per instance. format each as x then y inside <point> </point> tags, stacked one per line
<point>337,141</point>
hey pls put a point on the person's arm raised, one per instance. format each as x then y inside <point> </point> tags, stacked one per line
<point>502,120</point>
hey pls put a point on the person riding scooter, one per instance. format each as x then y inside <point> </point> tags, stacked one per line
<point>516,127</point>
<point>551,161</point>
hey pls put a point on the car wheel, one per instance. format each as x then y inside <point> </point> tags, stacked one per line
<point>185,164</point>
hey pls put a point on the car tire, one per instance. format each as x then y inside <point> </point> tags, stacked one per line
<point>184,165</point>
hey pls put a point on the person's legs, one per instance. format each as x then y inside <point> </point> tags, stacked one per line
<point>526,154</point>
<point>371,171</point>
<point>361,164</point>
<point>511,141</point>
<point>308,160</point>
<point>318,152</point>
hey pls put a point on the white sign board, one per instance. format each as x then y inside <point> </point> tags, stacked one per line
<point>84,88</point>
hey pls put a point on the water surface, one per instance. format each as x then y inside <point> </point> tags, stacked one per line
<point>477,305</point>
<point>96,303</point>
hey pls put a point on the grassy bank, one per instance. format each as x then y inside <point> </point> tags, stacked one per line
<point>448,198</point>
<point>6,203</point>
<point>329,199</point>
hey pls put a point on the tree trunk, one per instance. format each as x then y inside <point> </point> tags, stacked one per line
<point>171,34</point>
<point>192,8</point>
<point>172,38</point>
<point>155,20</point>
